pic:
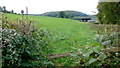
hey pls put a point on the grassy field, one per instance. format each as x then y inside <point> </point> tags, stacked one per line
<point>65,35</point>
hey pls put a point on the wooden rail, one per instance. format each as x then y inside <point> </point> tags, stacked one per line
<point>67,54</point>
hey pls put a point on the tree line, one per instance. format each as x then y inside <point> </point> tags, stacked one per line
<point>4,10</point>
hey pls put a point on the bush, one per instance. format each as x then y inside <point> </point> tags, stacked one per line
<point>22,45</point>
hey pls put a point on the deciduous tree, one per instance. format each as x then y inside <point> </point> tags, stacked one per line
<point>109,12</point>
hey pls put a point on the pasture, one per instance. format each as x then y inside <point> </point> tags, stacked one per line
<point>65,34</point>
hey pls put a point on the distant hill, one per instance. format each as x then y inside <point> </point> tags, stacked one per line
<point>67,12</point>
<point>74,14</point>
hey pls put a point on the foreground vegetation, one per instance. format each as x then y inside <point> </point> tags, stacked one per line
<point>46,41</point>
<point>21,43</point>
<point>83,45</point>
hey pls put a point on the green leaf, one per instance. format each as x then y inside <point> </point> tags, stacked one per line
<point>87,52</point>
<point>95,44</point>
<point>102,56</point>
<point>96,49</point>
<point>106,42</point>
<point>91,61</point>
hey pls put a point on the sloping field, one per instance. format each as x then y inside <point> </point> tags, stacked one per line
<point>65,34</point>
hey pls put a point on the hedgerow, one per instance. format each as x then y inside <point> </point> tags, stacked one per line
<point>22,44</point>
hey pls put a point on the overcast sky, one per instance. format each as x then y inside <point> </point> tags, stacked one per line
<point>41,6</point>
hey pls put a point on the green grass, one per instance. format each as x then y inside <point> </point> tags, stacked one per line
<point>65,35</point>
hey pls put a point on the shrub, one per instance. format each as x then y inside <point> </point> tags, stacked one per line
<point>22,44</point>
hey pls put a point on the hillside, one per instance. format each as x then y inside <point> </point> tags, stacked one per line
<point>67,12</point>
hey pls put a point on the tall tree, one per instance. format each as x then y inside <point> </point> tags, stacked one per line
<point>22,12</point>
<point>109,12</point>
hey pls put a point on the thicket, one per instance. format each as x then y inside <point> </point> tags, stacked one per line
<point>22,43</point>
<point>109,12</point>
<point>102,51</point>
<point>108,46</point>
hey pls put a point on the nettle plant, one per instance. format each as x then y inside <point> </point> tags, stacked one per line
<point>108,35</point>
<point>96,54</point>
<point>22,44</point>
